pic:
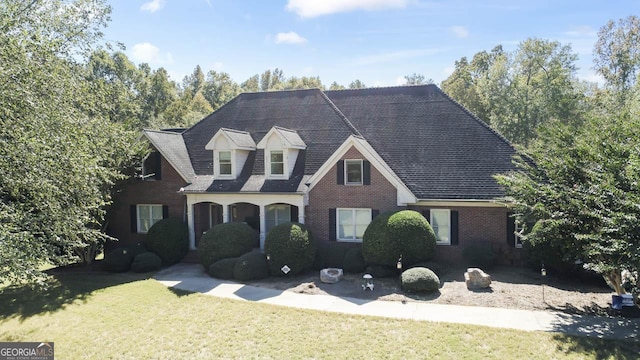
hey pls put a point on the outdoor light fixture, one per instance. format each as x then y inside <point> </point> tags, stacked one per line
<point>399,264</point>
<point>367,282</point>
<point>543,272</point>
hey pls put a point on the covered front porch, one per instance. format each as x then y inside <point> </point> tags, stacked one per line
<point>260,211</point>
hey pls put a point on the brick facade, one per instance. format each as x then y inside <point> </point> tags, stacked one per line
<point>163,191</point>
<point>327,194</point>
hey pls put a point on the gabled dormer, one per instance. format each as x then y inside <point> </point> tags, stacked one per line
<point>230,151</point>
<point>281,147</point>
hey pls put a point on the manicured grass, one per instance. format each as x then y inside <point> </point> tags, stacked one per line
<point>125,316</point>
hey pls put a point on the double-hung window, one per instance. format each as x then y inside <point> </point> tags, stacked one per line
<point>277,214</point>
<point>351,224</point>
<point>441,224</point>
<point>518,234</point>
<point>353,172</point>
<point>224,163</point>
<point>276,160</point>
<point>147,216</point>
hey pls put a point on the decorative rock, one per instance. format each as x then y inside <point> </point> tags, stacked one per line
<point>330,275</point>
<point>475,278</point>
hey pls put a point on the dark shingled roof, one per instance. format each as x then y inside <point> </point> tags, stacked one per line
<point>436,147</point>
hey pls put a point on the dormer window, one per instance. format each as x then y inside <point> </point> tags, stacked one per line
<point>353,172</point>
<point>281,147</point>
<point>276,159</point>
<point>231,149</point>
<point>224,163</point>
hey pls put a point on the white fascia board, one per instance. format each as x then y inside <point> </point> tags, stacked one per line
<point>164,155</point>
<point>262,144</point>
<point>404,195</point>
<point>232,144</point>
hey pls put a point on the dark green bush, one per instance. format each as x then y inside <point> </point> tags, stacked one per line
<point>145,262</point>
<point>251,266</point>
<point>223,268</point>
<point>438,268</point>
<point>137,249</point>
<point>479,255</point>
<point>330,254</point>
<point>381,271</point>
<point>118,260</point>
<point>169,239</point>
<point>290,244</point>
<point>419,279</point>
<point>403,233</point>
<point>353,261</point>
<point>226,240</point>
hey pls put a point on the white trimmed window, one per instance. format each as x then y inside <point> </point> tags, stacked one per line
<point>441,224</point>
<point>276,214</point>
<point>351,224</point>
<point>224,163</point>
<point>518,234</point>
<point>353,172</point>
<point>147,216</point>
<point>276,162</point>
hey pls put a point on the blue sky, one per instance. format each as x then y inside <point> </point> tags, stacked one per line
<point>376,41</point>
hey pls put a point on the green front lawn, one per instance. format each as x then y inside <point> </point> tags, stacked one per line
<point>126,316</point>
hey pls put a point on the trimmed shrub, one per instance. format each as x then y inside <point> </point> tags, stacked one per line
<point>353,261</point>
<point>251,266</point>
<point>419,279</point>
<point>479,255</point>
<point>381,271</point>
<point>169,239</point>
<point>137,249</point>
<point>118,260</point>
<point>226,240</point>
<point>223,269</point>
<point>437,268</point>
<point>290,244</point>
<point>331,254</point>
<point>145,262</point>
<point>403,233</point>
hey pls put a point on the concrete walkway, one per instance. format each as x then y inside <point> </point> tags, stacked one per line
<point>191,277</point>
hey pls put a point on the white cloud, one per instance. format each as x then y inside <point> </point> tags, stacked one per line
<point>149,53</point>
<point>581,31</point>
<point>459,31</point>
<point>290,38</point>
<point>152,6</point>
<point>313,8</point>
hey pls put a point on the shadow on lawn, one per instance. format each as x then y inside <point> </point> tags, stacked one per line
<point>64,287</point>
<point>599,348</point>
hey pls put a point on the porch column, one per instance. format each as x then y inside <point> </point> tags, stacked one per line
<point>263,226</point>
<point>225,213</point>
<point>301,212</point>
<point>191,225</point>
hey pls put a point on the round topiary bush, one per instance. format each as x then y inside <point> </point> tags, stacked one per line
<point>290,244</point>
<point>118,260</point>
<point>145,262</point>
<point>419,279</point>
<point>223,269</point>
<point>392,235</point>
<point>251,266</point>
<point>169,239</point>
<point>353,261</point>
<point>330,254</point>
<point>226,240</point>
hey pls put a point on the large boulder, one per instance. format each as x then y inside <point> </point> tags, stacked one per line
<point>475,278</point>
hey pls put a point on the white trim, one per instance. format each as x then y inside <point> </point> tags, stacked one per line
<point>346,176</point>
<point>404,195</point>
<point>448,212</point>
<point>138,222</point>
<point>232,144</point>
<point>262,144</point>
<point>353,212</point>
<point>267,158</point>
<point>216,164</point>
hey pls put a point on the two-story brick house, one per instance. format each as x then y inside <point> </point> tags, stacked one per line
<point>331,160</point>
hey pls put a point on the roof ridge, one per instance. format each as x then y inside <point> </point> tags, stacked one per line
<point>343,116</point>
<point>383,87</point>
<point>162,131</point>
<point>476,118</point>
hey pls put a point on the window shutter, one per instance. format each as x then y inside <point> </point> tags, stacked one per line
<point>366,172</point>
<point>511,230</point>
<point>165,211</point>
<point>332,225</point>
<point>133,213</point>
<point>294,214</point>
<point>158,165</point>
<point>374,213</point>
<point>341,172</point>
<point>427,215</point>
<point>454,228</point>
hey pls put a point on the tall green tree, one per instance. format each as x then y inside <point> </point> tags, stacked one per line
<point>219,88</point>
<point>195,81</point>
<point>357,84</point>
<point>417,79</point>
<point>59,162</point>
